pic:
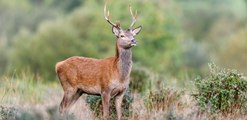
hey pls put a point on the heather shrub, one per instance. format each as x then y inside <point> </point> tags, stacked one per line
<point>163,99</point>
<point>223,91</point>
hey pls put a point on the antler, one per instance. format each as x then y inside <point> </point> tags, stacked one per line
<point>107,17</point>
<point>133,17</point>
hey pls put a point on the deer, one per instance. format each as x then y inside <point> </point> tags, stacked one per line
<point>107,77</point>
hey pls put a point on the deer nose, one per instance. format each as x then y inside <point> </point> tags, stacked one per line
<point>134,41</point>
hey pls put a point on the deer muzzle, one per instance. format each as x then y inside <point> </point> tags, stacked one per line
<point>133,43</point>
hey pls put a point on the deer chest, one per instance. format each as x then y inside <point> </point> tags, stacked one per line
<point>118,87</point>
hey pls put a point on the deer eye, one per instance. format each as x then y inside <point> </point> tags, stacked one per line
<point>122,36</point>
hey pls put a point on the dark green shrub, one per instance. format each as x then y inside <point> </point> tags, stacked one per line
<point>222,91</point>
<point>162,99</point>
<point>7,113</point>
<point>11,113</point>
<point>140,79</point>
<point>95,104</point>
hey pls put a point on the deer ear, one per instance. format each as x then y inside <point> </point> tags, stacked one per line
<point>115,30</point>
<point>136,30</point>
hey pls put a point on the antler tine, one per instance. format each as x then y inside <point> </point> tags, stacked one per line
<point>133,17</point>
<point>107,16</point>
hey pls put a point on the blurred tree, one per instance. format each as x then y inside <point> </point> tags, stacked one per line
<point>53,42</point>
<point>67,5</point>
<point>200,16</point>
<point>3,56</point>
<point>195,56</point>
<point>27,14</point>
<point>233,55</point>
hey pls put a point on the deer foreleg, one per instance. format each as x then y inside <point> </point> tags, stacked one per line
<point>118,104</point>
<point>105,101</point>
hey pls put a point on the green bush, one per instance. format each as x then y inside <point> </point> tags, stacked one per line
<point>141,79</point>
<point>222,91</point>
<point>95,104</point>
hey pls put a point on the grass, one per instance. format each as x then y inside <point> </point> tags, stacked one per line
<point>22,89</point>
<point>28,97</point>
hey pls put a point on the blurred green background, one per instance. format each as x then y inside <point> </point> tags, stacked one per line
<point>178,40</point>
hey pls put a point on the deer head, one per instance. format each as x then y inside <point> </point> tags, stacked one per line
<point>125,38</point>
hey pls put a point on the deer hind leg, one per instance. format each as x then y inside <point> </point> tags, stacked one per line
<point>69,98</point>
<point>76,96</point>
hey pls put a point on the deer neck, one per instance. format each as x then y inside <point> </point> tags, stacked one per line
<point>124,62</point>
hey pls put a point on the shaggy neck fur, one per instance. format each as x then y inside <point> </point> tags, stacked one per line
<point>124,60</point>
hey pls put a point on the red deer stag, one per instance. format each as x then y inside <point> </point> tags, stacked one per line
<point>107,77</point>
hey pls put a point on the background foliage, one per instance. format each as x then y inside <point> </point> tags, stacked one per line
<point>178,39</point>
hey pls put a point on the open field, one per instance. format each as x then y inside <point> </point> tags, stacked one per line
<point>26,97</point>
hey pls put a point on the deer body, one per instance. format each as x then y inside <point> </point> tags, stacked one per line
<point>93,76</point>
<point>107,77</point>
